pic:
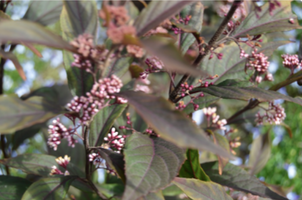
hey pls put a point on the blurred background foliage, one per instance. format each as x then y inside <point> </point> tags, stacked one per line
<point>284,165</point>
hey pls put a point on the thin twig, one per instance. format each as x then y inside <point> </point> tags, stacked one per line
<point>211,43</point>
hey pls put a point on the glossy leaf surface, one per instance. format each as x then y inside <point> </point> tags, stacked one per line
<point>201,190</point>
<point>171,124</point>
<point>237,178</point>
<point>151,164</point>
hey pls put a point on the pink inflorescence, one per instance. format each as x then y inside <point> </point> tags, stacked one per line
<point>58,131</point>
<point>213,118</point>
<point>153,64</point>
<point>274,114</point>
<point>260,63</point>
<point>87,52</point>
<point>291,61</point>
<point>184,21</point>
<point>63,162</point>
<point>102,91</point>
<point>115,141</point>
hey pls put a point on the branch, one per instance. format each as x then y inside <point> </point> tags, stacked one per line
<point>211,43</point>
<point>252,104</point>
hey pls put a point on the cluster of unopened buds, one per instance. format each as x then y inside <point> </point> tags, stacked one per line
<point>63,162</point>
<point>115,141</point>
<point>153,64</point>
<point>87,53</point>
<point>184,21</point>
<point>231,26</point>
<point>57,131</point>
<point>233,142</point>
<point>291,61</point>
<point>213,118</point>
<point>259,62</point>
<point>274,114</point>
<point>101,93</point>
<point>99,162</point>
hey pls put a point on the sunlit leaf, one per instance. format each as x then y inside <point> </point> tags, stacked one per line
<point>4,16</point>
<point>154,196</point>
<point>17,114</point>
<point>194,10</point>
<point>231,66</point>
<point>13,187</point>
<point>191,168</point>
<point>260,153</point>
<point>155,13</point>
<point>44,12</point>
<point>102,122</point>
<point>201,190</point>
<point>237,178</point>
<point>171,124</point>
<point>151,164</point>
<point>247,93</point>
<point>173,61</point>
<point>31,33</point>
<point>115,161</point>
<point>14,59</point>
<point>111,189</point>
<point>78,17</point>
<point>38,164</point>
<point>266,23</point>
<point>49,188</point>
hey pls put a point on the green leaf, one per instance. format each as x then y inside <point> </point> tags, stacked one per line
<point>266,23</point>
<point>111,189</point>
<point>78,17</point>
<point>173,61</point>
<point>154,196</point>
<point>195,10</point>
<point>10,56</point>
<point>17,114</point>
<point>246,93</point>
<point>102,122</point>
<point>237,178</point>
<point>115,161</point>
<point>44,12</point>
<point>191,168</point>
<point>231,66</point>
<point>57,94</point>
<point>39,164</point>
<point>172,190</point>
<point>49,188</point>
<point>13,187</point>
<point>20,136</point>
<point>120,67</point>
<point>31,33</point>
<point>151,164</point>
<point>155,13</point>
<point>171,124</point>
<point>260,153</point>
<point>201,190</point>
<point>295,77</point>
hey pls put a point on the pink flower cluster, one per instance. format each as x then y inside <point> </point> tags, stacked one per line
<point>116,23</point>
<point>63,162</point>
<point>274,114</point>
<point>184,21</point>
<point>153,64</point>
<point>291,61</point>
<point>101,93</point>
<point>87,54</point>
<point>259,62</point>
<point>212,118</point>
<point>58,131</point>
<point>115,141</point>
